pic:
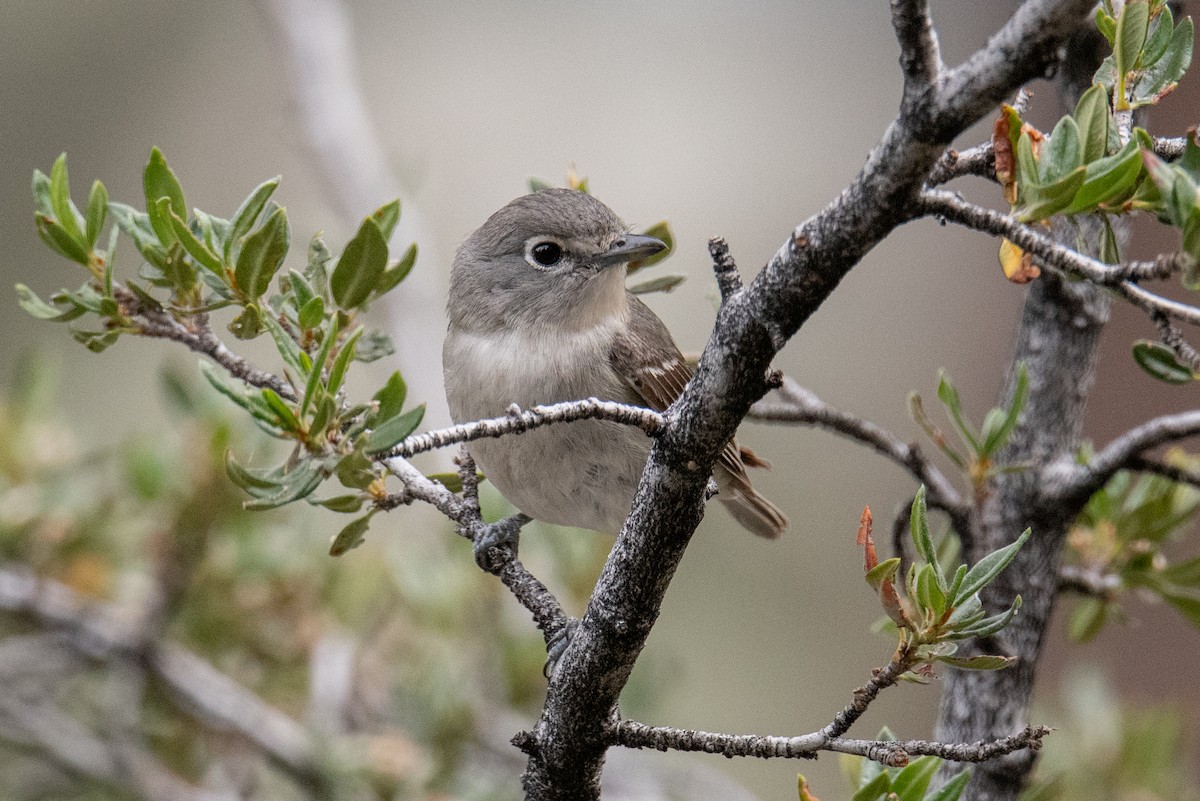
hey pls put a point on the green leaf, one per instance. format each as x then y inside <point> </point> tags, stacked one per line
<point>386,217</point>
<point>159,181</point>
<point>1091,116</point>
<point>1186,602</point>
<point>1167,71</point>
<point>97,211</point>
<point>929,595</point>
<point>1107,26</point>
<point>41,193</point>
<point>662,232</point>
<point>1087,618</point>
<point>882,572</point>
<point>243,219</point>
<point>355,470</point>
<point>663,283</point>
<point>262,255</point>
<point>136,225</point>
<point>312,314</point>
<point>390,398</point>
<point>1183,574</point>
<point>318,365</point>
<point>315,268</point>
<point>1159,37</point>
<point>1062,154</point>
<point>875,788</point>
<point>59,240</point>
<point>397,272</point>
<point>1027,166</point>
<point>918,528</point>
<point>299,483</point>
<point>987,626</point>
<point>347,504</point>
<point>1107,179</point>
<point>65,213</point>
<point>252,480</point>
<point>1161,362</point>
<point>996,436</point>
<point>987,568</point>
<point>392,432</point>
<point>1131,35</point>
<point>352,535</point>
<point>360,267</point>
<point>338,371</point>
<point>948,395</point>
<point>1047,200</point>
<point>287,418</point>
<point>195,248</point>
<point>375,344</point>
<point>911,782</point>
<point>248,324</point>
<point>982,662</point>
<point>952,789</point>
<point>31,303</point>
<point>453,481</point>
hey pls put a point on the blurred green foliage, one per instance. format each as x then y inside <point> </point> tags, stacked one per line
<point>155,531</point>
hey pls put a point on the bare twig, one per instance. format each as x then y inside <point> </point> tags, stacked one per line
<point>1119,277</point>
<point>1183,475</point>
<point>729,280</point>
<point>518,421</point>
<point>531,593</point>
<point>1072,482</point>
<point>200,338</point>
<point>802,406</point>
<point>979,161</point>
<point>1088,581</point>
<point>893,753</point>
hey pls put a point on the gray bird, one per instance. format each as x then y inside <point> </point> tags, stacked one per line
<point>539,314</point>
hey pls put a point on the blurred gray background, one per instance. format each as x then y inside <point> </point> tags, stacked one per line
<point>738,119</point>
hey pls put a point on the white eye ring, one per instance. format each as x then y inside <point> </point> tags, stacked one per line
<point>544,252</point>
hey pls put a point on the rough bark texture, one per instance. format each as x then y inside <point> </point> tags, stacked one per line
<point>1057,340</point>
<point>567,749</point>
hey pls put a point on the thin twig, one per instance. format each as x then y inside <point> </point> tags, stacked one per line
<point>1183,475</point>
<point>893,753</point>
<point>1119,277</point>
<point>530,592</point>
<point>1089,582</point>
<point>518,421</point>
<point>1072,482</point>
<point>802,406</point>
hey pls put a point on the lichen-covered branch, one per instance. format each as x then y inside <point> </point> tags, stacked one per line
<point>518,421</point>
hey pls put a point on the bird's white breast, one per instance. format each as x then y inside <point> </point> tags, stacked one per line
<point>579,474</point>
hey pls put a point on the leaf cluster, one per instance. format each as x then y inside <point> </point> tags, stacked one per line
<point>982,445</point>
<point>1123,533</point>
<point>940,604</point>
<point>194,264</point>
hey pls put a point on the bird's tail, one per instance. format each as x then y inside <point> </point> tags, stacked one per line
<point>752,511</point>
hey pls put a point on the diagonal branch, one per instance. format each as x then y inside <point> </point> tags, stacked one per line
<point>751,327</point>
<point>1074,483</point>
<point>1119,277</point>
<point>531,593</point>
<point>802,406</point>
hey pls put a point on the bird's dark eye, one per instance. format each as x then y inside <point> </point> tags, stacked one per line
<point>547,254</point>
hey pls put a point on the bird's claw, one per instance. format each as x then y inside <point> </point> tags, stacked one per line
<point>496,543</point>
<point>557,646</point>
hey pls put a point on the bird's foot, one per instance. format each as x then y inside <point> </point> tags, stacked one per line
<point>496,543</point>
<point>557,646</point>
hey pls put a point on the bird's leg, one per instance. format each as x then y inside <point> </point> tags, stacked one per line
<point>496,543</point>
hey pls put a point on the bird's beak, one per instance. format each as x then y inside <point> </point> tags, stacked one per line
<point>630,248</point>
